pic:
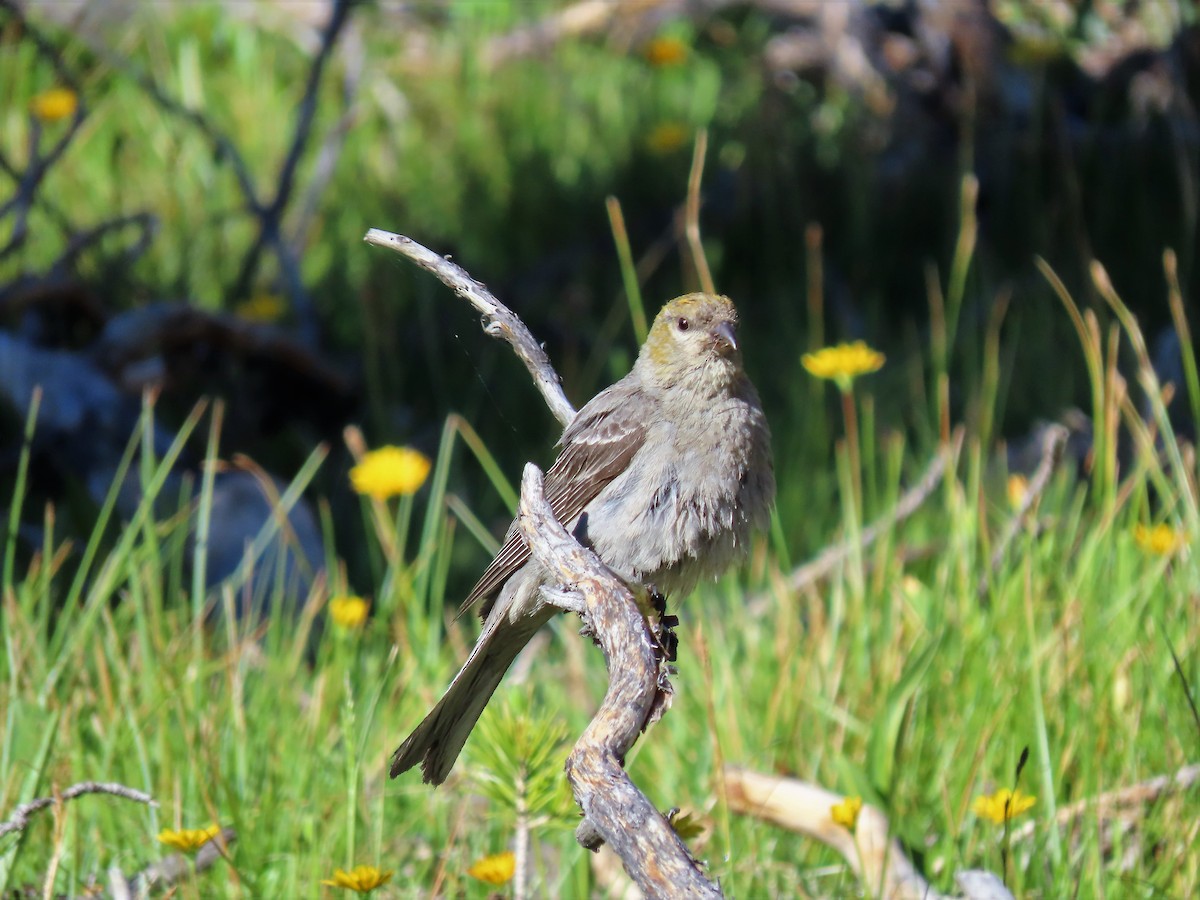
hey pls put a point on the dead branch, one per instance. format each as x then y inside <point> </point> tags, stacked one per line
<point>499,320</point>
<point>171,869</point>
<point>876,858</point>
<point>267,213</point>
<point>905,507</point>
<point>1054,441</point>
<point>40,162</point>
<point>615,810</point>
<point>980,884</point>
<point>20,816</point>
<point>270,220</point>
<point>325,160</point>
<point>1122,800</point>
<point>831,557</point>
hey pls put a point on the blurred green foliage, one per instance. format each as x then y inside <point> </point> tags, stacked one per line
<point>890,677</point>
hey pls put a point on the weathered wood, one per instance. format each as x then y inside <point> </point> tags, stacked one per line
<point>876,857</point>
<point>175,867</point>
<point>20,815</point>
<point>500,321</point>
<point>617,812</point>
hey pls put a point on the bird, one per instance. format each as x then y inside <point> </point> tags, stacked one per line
<point>665,474</point>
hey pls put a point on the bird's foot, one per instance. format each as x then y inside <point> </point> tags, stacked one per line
<point>663,625</point>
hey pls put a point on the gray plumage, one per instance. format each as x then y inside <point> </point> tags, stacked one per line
<point>665,474</point>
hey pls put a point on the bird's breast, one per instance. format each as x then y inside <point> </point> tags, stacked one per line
<point>685,507</point>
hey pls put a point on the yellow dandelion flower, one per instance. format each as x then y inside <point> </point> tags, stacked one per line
<point>668,137</point>
<point>390,472</point>
<point>843,363</point>
<point>666,51</point>
<point>1003,805</point>
<point>360,879</point>
<point>54,104</point>
<point>188,839</point>
<point>496,869</point>
<point>1160,540</point>
<point>264,308</point>
<point>846,812</point>
<point>912,586</point>
<point>348,612</point>
<point>1018,490</point>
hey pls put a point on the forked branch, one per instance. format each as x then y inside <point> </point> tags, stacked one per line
<point>621,815</point>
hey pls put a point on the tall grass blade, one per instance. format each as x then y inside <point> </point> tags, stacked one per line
<point>14,511</point>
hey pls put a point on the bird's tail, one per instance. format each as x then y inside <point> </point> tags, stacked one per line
<point>438,740</point>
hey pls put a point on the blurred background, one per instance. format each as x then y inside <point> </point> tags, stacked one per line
<point>188,219</point>
<point>197,347</point>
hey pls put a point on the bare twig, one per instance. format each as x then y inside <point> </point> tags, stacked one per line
<point>876,858</point>
<point>143,224</point>
<point>354,58</point>
<point>175,867</point>
<point>1112,803</point>
<point>20,816</point>
<point>39,163</point>
<point>269,233</point>
<point>224,147</point>
<point>499,320</point>
<point>831,557</point>
<point>905,507</point>
<point>268,214</point>
<point>1053,443</point>
<point>652,853</point>
<point>587,18</point>
<point>979,884</point>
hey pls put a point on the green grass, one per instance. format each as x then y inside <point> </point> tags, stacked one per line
<point>893,679</point>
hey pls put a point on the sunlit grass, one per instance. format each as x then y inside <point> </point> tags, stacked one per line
<point>894,679</point>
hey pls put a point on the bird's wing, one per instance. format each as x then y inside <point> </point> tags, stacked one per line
<point>596,447</point>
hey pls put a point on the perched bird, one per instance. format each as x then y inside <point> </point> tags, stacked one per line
<point>664,474</point>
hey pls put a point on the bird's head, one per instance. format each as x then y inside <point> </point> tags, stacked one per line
<point>693,338</point>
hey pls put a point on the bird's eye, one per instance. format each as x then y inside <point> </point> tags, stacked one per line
<point>682,324</point>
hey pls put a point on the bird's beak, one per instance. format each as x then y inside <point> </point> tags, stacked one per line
<point>725,338</point>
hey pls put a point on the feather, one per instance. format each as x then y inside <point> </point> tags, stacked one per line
<point>597,446</point>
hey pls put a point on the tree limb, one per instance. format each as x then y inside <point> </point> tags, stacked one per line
<point>1110,804</point>
<point>20,816</point>
<point>39,163</point>
<point>1054,441</point>
<point>833,556</point>
<point>270,219</point>
<point>621,815</point>
<point>499,320</point>
<point>876,858</point>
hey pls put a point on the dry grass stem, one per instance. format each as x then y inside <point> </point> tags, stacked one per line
<point>831,557</point>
